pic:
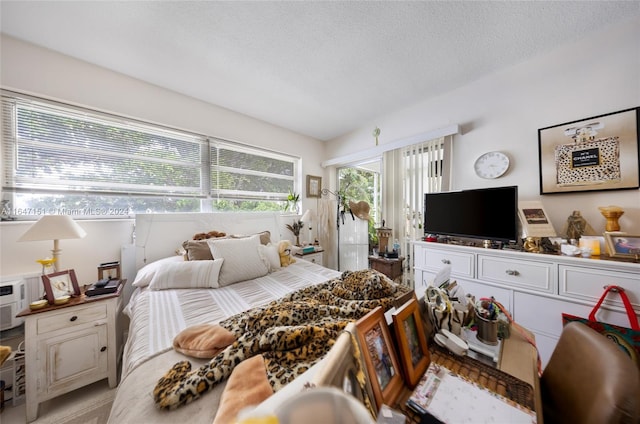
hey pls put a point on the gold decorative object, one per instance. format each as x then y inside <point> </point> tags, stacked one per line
<point>46,263</point>
<point>38,304</point>
<point>532,244</point>
<point>612,214</point>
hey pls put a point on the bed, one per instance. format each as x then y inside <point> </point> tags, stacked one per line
<point>167,302</point>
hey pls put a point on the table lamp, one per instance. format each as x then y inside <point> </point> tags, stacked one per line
<point>54,227</point>
<point>308,217</point>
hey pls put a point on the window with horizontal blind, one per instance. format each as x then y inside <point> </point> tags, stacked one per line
<point>59,159</point>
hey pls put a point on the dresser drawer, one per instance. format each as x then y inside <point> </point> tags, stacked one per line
<point>517,273</point>
<point>462,264</point>
<point>588,284</point>
<point>68,318</point>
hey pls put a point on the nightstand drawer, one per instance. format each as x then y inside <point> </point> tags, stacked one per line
<point>71,317</point>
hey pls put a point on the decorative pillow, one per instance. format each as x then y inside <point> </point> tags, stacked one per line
<point>187,275</point>
<point>241,259</point>
<point>265,237</point>
<point>247,386</point>
<point>146,273</point>
<point>203,340</point>
<point>197,250</point>
<point>270,256</point>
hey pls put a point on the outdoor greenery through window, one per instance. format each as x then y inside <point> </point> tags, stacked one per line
<point>362,183</point>
<point>58,159</point>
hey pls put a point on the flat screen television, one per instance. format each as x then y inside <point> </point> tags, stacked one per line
<point>487,213</point>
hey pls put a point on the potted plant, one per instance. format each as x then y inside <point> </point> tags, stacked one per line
<point>292,202</point>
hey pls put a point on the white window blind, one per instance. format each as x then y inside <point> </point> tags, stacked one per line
<point>57,157</point>
<point>51,148</point>
<point>239,172</point>
<point>412,171</point>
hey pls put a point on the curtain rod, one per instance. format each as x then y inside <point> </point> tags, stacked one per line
<point>397,144</point>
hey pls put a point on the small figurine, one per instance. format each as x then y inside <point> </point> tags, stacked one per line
<point>575,226</point>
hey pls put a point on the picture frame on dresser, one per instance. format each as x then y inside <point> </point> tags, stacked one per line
<point>412,342</point>
<point>622,245</point>
<point>380,357</point>
<point>592,154</point>
<point>59,284</point>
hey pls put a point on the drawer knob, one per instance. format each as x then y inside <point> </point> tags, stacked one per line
<point>73,318</point>
<point>512,272</point>
<point>446,261</point>
<point>103,348</point>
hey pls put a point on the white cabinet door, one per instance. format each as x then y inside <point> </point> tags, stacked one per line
<point>74,359</point>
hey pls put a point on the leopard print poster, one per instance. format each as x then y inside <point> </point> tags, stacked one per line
<point>589,162</point>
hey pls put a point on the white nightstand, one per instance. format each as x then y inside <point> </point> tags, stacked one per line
<point>315,257</point>
<point>70,346</point>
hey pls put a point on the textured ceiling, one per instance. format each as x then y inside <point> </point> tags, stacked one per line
<point>318,68</point>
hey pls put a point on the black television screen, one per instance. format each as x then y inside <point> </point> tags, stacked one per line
<point>488,213</point>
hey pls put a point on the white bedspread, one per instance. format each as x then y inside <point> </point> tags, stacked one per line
<point>157,316</point>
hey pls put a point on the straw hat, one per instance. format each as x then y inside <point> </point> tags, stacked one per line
<point>360,209</point>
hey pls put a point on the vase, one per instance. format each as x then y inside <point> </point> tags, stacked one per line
<point>612,214</point>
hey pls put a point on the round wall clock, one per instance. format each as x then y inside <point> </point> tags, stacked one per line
<point>491,165</point>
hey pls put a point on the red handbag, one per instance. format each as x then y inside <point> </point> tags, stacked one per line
<point>627,339</point>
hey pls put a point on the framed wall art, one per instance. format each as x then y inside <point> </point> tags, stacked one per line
<point>314,186</point>
<point>380,357</point>
<point>60,284</point>
<point>412,342</point>
<point>597,153</point>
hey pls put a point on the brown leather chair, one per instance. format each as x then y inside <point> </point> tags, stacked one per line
<point>589,380</point>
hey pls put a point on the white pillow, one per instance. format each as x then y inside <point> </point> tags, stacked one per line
<point>270,256</point>
<point>241,259</point>
<point>146,273</point>
<point>187,275</point>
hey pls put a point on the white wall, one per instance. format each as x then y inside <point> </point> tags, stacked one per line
<point>503,111</point>
<point>28,68</point>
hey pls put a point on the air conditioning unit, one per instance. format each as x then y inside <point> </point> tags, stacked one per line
<point>13,299</point>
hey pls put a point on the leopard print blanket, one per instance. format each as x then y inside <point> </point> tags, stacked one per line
<point>292,333</point>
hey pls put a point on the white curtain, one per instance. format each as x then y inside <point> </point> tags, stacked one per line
<point>328,231</point>
<point>409,173</point>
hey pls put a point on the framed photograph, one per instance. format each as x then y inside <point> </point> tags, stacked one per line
<point>597,153</point>
<point>622,245</point>
<point>109,270</point>
<point>534,219</point>
<point>340,368</point>
<point>314,186</point>
<point>379,357</point>
<point>58,284</point>
<point>412,342</point>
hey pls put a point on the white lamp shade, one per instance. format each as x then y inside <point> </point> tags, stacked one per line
<point>308,216</point>
<point>53,227</point>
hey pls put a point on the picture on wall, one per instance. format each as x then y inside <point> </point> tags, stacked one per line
<point>597,153</point>
<point>314,186</point>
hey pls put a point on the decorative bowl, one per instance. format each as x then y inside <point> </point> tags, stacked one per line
<point>61,300</point>
<point>38,304</point>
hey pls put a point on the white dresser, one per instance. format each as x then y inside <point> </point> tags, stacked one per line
<point>535,288</point>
